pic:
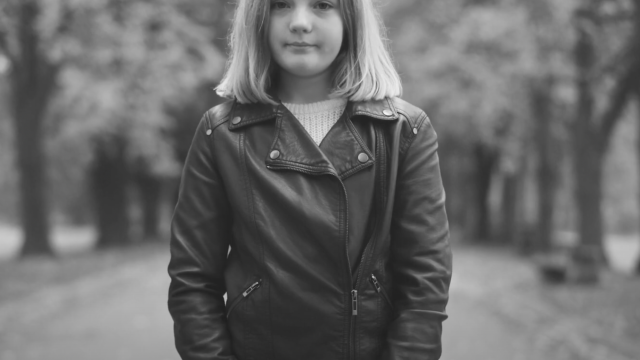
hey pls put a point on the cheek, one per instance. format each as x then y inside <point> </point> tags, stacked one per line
<point>271,37</point>
<point>335,33</point>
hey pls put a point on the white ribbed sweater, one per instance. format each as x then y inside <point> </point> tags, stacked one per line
<point>318,118</point>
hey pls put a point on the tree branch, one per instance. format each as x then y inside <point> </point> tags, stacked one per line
<point>625,84</point>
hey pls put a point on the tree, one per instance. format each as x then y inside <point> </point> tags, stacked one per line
<point>546,21</point>
<point>636,66</point>
<point>33,74</point>
<point>470,63</point>
<point>144,55</point>
<point>593,125</point>
<point>115,63</point>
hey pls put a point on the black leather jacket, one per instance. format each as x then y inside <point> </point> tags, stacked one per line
<point>337,252</point>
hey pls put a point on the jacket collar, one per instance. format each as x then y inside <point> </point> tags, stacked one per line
<point>343,151</point>
<point>246,114</point>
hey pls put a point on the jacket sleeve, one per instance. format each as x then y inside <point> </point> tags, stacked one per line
<point>200,233</point>
<point>421,261</point>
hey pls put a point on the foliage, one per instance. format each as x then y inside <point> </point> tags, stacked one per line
<point>469,64</point>
<point>122,63</point>
<point>139,56</point>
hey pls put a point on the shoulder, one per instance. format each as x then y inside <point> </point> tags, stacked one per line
<point>414,123</point>
<point>412,115</point>
<point>218,114</point>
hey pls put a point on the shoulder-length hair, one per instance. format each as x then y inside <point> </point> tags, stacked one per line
<point>363,69</point>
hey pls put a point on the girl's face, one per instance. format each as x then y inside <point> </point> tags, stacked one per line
<point>305,36</point>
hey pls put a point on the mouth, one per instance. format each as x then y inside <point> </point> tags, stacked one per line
<point>299,44</point>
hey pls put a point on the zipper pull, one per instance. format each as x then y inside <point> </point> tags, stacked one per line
<point>253,286</point>
<point>375,282</point>
<point>354,302</point>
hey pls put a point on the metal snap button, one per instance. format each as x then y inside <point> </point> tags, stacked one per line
<point>209,131</point>
<point>363,158</point>
<point>274,154</point>
<point>415,131</point>
<point>236,120</point>
<point>387,112</point>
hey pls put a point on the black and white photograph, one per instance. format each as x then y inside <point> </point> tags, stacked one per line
<point>319,179</point>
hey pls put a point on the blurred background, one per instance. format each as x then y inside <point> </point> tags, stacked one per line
<point>536,105</point>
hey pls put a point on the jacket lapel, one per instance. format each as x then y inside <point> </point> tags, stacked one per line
<point>345,148</point>
<point>342,152</point>
<point>294,148</point>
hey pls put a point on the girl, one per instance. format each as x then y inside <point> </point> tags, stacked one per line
<point>313,199</point>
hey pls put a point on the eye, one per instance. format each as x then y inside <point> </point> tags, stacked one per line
<point>279,5</point>
<point>324,5</point>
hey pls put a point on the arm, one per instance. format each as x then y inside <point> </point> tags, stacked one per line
<point>420,253</point>
<point>200,233</point>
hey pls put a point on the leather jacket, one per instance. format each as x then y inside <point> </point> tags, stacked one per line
<point>337,251</point>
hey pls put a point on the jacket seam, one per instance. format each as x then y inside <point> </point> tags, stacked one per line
<point>251,121</point>
<point>358,138</point>
<point>407,142</point>
<point>351,171</point>
<point>391,105</point>
<point>215,125</point>
<point>377,115</point>
<point>251,203</point>
<point>374,115</point>
<point>346,349</point>
<point>247,187</point>
<point>306,166</point>
<point>212,127</point>
<point>383,168</point>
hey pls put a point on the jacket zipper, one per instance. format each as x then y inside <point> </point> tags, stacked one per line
<point>353,287</point>
<point>380,290</point>
<point>245,293</point>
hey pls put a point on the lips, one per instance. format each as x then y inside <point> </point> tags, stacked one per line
<point>299,44</point>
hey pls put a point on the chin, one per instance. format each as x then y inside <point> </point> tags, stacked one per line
<point>306,71</point>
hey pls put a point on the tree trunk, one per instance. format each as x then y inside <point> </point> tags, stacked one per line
<point>34,209</point>
<point>149,189</point>
<point>109,180</point>
<point>637,93</point>
<point>587,161</point>
<point>542,103</point>
<point>485,163</point>
<point>637,268</point>
<point>637,90</point>
<point>509,221</point>
<point>33,78</point>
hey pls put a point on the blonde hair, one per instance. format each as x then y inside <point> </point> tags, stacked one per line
<point>363,69</point>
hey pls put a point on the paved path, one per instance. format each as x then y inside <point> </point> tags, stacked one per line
<point>121,314</point>
<point>116,315</point>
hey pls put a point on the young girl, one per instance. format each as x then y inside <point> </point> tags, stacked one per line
<point>313,199</point>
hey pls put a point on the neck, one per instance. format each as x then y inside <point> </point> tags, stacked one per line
<point>302,90</point>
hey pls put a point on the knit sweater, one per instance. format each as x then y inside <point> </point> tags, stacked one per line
<point>318,118</point>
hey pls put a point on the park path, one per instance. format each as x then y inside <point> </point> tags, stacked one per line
<point>120,313</point>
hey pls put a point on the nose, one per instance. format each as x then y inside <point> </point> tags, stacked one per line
<point>300,21</point>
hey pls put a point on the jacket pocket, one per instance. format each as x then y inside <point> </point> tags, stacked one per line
<point>380,290</point>
<point>248,291</point>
